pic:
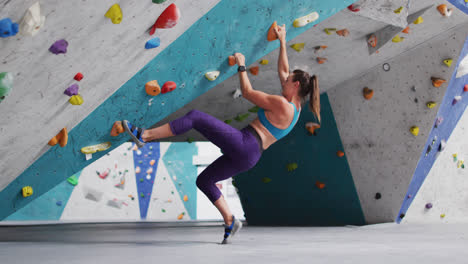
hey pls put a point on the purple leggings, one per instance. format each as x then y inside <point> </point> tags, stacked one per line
<point>241,149</point>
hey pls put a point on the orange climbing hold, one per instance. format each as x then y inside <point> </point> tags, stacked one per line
<point>180,216</point>
<point>61,138</point>
<point>343,32</point>
<point>406,30</point>
<point>437,82</point>
<point>311,127</point>
<point>185,198</point>
<point>152,88</point>
<point>271,32</point>
<point>254,70</point>
<point>372,40</point>
<point>443,10</point>
<point>152,162</point>
<point>320,185</point>
<point>232,60</point>
<point>321,60</point>
<point>117,129</point>
<point>340,153</point>
<point>367,93</point>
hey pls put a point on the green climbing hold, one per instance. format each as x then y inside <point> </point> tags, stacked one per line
<point>159,1</point>
<point>73,180</point>
<point>141,180</point>
<point>291,166</point>
<point>266,180</point>
<point>254,109</point>
<point>6,84</point>
<point>240,118</point>
<point>228,121</point>
<point>162,210</point>
<point>190,140</point>
<point>140,161</point>
<point>172,192</point>
<point>142,195</point>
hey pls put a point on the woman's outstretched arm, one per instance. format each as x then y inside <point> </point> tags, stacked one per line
<point>283,65</point>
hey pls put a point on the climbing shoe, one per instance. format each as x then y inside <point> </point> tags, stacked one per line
<point>135,133</point>
<point>230,231</point>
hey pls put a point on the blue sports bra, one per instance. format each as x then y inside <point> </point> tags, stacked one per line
<point>276,132</point>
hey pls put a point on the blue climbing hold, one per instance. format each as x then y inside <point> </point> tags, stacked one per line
<point>153,43</point>
<point>8,28</point>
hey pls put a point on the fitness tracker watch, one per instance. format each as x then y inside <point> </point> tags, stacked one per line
<point>241,69</point>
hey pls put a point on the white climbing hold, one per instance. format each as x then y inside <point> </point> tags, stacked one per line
<point>212,75</point>
<point>32,20</point>
<point>302,21</point>
<point>237,93</point>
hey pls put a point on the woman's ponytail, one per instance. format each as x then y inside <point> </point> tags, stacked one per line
<point>314,102</point>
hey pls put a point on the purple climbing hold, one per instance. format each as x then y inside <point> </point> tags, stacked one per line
<point>72,90</point>
<point>410,196</point>
<point>428,205</point>
<point>439,121</point>
<point>8,28</point>
<point>60,46</point>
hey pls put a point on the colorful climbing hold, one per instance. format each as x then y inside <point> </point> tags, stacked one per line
<point>418,20</point>
<point>318,49</point>
<point>61,138</point>
<point>27,191</point>
<point>212,75</point>
<point>414,130</point>
<point>442,215</point>
<point>72,90</point>
<point>321,60</point>
<point>228,121</point>
<point>271,35</point>
<point>264,62</point>
<point>73,180</point>
<point>240,118</point>
<point>431,104</point>
<point>8,28</point>
<point>428,206</point>
<point>465,89</point>
<point>152,88</point>
<point>76,100</point>
<point>343,32</point>
<point>185,198</point>
<point>340,153</point>
<point>152,162</point>
<point>168,18</point>
<point>406,30</point>
<point>456,99</point>
<point>439,121</point>
<point>320,185</point>
<point>367,93</point>
<point>291,166</point>
<point>6,84</point>
<point>32,20</point>
<point>117,129</point>
<point>168,86</point>
<point>254,109</point>
<point>448,62</point>
<point>398,10</point>
<point>78,76</point>
<point>115,14</point>
<point>254,70</point>
<point>266,180</point>
<point>298,46</point>
<point>95,148</point>
<point>60,46</point>
<point>354,8</point>
<point>103,174</point>
<point>437,82</point>
<point>159,1</point>
<point>444,11</point>
<point>153,43</point>
<point>397,39</point>
<point>231,60</point>
<point>372,40</point>
<point>311,127</point>
<point>329,31</point>
<point>302,21</point>
<point>190,140</point>
<point>180,216</point>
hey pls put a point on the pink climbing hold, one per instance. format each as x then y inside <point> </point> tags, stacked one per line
<point>168,18</point>
<point>439,121</point>
<point>72,90</point>
<point>60,46</point>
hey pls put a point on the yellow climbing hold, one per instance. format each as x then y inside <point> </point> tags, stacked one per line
<point>185,198</point>
<point>298,46</point>
<point>76,100</point>
<point>264,62</point>
<point>95,148</point>
<point>397,39</point>
<point>27,191</point>
<point>212,75</point>
<point>431,104</point>
<point>266,180</point>
<point>398,10</point>
<point>418,20</point>
<point>448,62</point>
<point>460,163</point>
<point>302,21</point>
<point>329,31</point>
<point>114,13</point>
<point>414,130</point>
<point>442,215</point>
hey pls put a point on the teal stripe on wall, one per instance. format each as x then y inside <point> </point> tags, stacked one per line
<point>291,198</point>
<point>231,26</point>
<point>45,207</point>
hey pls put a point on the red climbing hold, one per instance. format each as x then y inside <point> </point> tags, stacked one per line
<point>168,18</point>
<point>354,8</point>
<point>466,88</point>
<point>254,70</point>
<point>78,76</point>
<point>168,87</point>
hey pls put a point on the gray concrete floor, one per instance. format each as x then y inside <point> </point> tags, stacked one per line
<point>199,243</point>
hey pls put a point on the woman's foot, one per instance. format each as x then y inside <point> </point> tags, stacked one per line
<point>135,133</point>
<point>231,230</point>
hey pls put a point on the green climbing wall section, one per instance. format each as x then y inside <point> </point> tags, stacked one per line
<point>272,195</point>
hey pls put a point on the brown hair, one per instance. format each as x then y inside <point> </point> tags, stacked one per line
<point>309,85</point>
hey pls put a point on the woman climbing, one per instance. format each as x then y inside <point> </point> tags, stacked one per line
<point>242,149</point>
